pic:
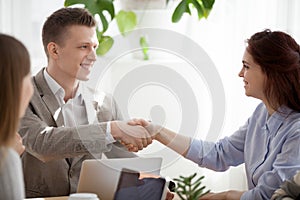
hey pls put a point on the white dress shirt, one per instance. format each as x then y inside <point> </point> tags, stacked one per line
<point>74,110</point>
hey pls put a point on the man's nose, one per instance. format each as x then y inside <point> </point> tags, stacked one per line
<point>92,55</point>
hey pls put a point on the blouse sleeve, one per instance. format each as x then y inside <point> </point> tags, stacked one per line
<point>11,175</point>
<point>215,156</point>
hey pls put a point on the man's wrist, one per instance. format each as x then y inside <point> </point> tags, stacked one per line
<point>115,130</point>
<point>109,137</point>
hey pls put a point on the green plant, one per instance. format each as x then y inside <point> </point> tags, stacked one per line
<point>145,47</point>
<point>188,189</point>
<point>203,8</point>
<point>127,20</point>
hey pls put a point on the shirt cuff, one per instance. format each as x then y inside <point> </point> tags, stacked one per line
<point>109,138</point>
<point>194,151</point>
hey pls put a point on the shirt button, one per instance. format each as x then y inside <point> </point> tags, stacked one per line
<point>71,173</point>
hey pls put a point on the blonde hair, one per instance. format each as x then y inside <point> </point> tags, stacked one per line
<point>15,65</point>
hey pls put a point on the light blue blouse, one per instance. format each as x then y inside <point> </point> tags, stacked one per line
<point>268,145</point>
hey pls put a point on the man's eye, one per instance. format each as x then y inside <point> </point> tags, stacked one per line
<point>83,47</point>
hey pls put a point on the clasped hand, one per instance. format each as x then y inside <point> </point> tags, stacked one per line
<point>135,134</point>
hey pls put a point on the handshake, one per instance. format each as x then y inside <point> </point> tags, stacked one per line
<point>135,134</point>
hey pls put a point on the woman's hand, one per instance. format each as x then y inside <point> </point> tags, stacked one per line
<point>228,195</point>
<point>134,138</point>
<point>153,129</point>
<point>170,195</point>
<point>18,144</point>
<point>177,142</point>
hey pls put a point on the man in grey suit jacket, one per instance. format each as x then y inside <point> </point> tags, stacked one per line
<point>67,122</point>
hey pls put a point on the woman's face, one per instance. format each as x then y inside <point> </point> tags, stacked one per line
<point>254,78</point>
<point>26,93</point>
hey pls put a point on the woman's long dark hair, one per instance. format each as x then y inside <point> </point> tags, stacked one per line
<point>278,55</point>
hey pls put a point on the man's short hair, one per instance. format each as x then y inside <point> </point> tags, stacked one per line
<point>55,27</point>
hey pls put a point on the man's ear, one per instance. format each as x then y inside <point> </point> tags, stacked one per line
<point>52,48</point>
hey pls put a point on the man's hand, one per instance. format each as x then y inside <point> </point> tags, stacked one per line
<point>228,195</point>
<point>18,144</point>
<point>135,138</point>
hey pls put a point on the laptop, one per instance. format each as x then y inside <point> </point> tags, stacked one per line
<point>101,176</point>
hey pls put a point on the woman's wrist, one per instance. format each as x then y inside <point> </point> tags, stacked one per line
<point>158,136</point>
<point>154,130</point>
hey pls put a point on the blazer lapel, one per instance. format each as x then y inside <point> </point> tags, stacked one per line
<point>88,95</point>
<point>49,98</point>
<point>52,105</point>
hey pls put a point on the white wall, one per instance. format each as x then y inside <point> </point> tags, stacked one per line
<point>221,37</point>
<point>24,20</point>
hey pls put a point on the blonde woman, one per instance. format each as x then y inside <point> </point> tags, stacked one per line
<point>16,91</point>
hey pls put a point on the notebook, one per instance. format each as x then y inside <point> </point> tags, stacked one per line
<point>101,176</point>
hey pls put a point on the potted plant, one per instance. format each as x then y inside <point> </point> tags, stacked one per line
<point>127,19</point>
<point>189,189</point>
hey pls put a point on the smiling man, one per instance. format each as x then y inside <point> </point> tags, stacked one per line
<point>66,121</point>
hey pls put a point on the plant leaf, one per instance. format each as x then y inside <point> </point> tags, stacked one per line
<point>199,7</point>
<point>199,179</point>
<point>188,189</point>
<point>96,7</point>
<point>73,2</point>
<point>203,8</point>
<point>189,179</point>
<point>126,21</point>
<point>197,194</point>
<point>181,196</point>
<point>194,187</point>
<point>145,47</point>
<point>208,4</point>
<point>105,44</point>
<point>204,193</point>
<point>181,185</point>
<point>179,10</point>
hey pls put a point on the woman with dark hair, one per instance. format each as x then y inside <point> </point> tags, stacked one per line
<point>16,91</point>
<point>268,143</point>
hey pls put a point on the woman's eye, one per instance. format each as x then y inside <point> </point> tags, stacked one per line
<point>246,67</point>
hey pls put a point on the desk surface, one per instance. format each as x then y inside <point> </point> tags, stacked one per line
<point>50,198</point>
<point>66,198</point>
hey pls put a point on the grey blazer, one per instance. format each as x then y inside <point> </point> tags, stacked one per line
<point>54,153</point>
